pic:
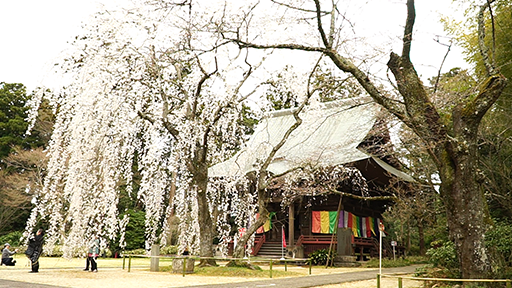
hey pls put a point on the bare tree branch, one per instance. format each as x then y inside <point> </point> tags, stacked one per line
<point>371,198</point>
<point>493,30</point>
<point>489,62</point>
<point>320,27</point>
<point>298,8</point>
<point>409,24</point>
<point>491,89</point>
<point>291,46</point>
<point>332,24</point>
<point>442,63</point>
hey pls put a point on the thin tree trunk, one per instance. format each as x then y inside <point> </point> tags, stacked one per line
<point>172,193</point>
<point>421,235</point>
<point>329,258</point>
<point>262,210</point>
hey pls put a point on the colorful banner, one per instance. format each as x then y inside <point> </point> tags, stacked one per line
<point>332,221</point>
<point>267,225</point>
<point>324,222</point>
<point>355,225</point>
<point>368,227</point>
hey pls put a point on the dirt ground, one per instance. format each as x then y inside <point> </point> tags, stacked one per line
<point>69,273</point>
<point>384,283</point>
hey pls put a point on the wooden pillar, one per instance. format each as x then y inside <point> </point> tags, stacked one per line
<point>291,224</point>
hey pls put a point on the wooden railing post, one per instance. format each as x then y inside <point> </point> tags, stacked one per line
<point>185,261</point>
<point>270,268</point>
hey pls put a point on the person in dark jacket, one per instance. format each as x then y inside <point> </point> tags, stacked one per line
<point>7,255</point>
<point>34,250</point>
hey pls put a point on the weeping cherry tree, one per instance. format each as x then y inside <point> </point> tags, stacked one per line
<point>145,86</point>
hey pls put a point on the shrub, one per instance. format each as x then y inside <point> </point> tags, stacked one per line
<point>169,250</point>
<point>139,251</point>
<point>12,238</point>
<point>399,262</point>
<point>319,257</point>
<point>499,239</point>
<point>444,256</point>
<point>499,242</point>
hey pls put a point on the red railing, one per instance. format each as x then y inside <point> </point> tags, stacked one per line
<point>258,242</point>
<point>360,246</point>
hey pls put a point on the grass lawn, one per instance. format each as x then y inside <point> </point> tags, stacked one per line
<point>165,266</point>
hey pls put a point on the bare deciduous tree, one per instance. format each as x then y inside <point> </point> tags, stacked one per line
<point>451,141</point>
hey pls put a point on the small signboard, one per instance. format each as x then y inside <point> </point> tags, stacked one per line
<point>393,243</point>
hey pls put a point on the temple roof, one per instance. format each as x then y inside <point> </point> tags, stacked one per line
<point>328,136</point>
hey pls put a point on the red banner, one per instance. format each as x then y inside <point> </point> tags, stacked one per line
<point>284,236</point>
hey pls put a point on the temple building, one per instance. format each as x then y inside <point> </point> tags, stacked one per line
<point>339,173</point>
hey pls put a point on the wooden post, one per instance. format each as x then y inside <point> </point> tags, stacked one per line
<point>124,259</point>
<point>129,263</point>
<point>291,225</point>
<point>329,253</point>
<point>378,280</point>
<point>400,282</point>
<point>270,268</point>
<point>155,261</point>
<point>185,261</point>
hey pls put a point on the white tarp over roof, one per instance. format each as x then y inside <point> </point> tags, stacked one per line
<point>393,170</point>
<point>328,136</point>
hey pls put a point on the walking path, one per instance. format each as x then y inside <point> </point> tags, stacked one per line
<point>312,281</point>
<point>290,282</point>
<point>18,284</point>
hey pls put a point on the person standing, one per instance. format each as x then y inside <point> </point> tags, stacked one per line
<point>92,255</point>
<point>7,255</point>
<point>34,250</point>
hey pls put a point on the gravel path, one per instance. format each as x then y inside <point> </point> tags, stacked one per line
<point>18,277</point>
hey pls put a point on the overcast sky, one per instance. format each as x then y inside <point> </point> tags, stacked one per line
<point>34,32</point>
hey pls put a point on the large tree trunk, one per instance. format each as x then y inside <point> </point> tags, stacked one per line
<point>465,205</point>
<point>206,227</point>
<point>455,154</point>
<point>452,144</point>
<point>466,212</point>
